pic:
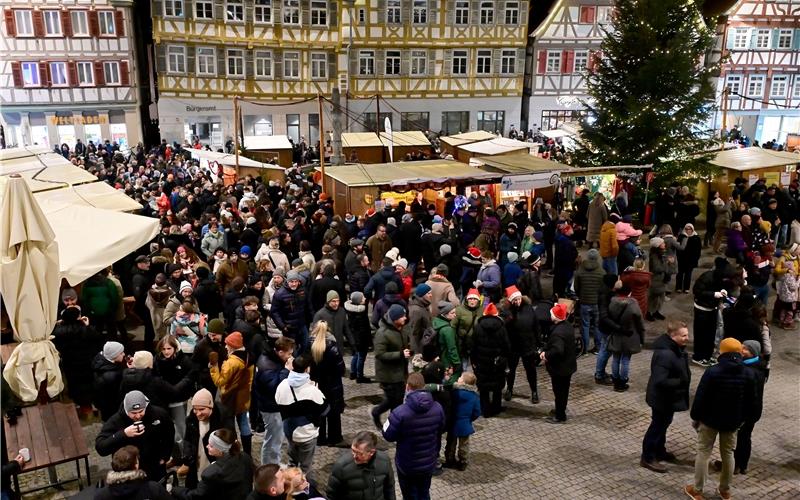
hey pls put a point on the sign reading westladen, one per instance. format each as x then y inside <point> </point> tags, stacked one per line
<point>78,120</point>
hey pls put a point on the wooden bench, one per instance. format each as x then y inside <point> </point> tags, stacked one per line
<point>54,436</point>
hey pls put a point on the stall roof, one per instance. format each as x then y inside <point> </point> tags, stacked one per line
<point>404,173</point>
<point>406,138</point>
<point>42,169</point>
<point>523,164</point>
<point>611,169</point>
<point>361,140</point>
<point>267,142</point>
<point>496,146</point>
<point>467,137</point>
<point>230,159</point>
<point>95,194</point>
<point>753,158</point>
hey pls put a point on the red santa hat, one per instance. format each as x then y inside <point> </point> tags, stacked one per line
<point>558,312</point>
<point>490,310</point>
<point>512,292</point>
<point>474,252</point>
<point>473,294</point>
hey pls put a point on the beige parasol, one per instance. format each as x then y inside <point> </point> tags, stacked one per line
<point>29,284</point>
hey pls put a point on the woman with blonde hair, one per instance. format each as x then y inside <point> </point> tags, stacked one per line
<point>327,370</point>
<point>297,487</point>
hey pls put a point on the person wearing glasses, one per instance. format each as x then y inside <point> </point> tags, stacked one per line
<point>363,472</point>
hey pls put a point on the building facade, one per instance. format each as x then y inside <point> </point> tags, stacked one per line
<point>762,70</point>
<point>564,49</point>
<point>67,72</point>
<point>450,66</point>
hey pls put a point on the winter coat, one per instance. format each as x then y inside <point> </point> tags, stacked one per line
<point>597,215</point>
<point>191,440</point>
<point>639,283</point>
<point>211,242</point>
<point>158,391</point>
<point>417,426</point>
<point>390,364</point>
<point>490,352</point>
<point>466,409</point>
<point>689,254</point>
<point>382,307</point>
<point>464,324</point>
<point>290,310</point>
<point>271,371</point>
<point>668,385</point>
<point>207,295</point>
<point>658,271</point>
<point>511,274</point>
<point>705,287</point>
<point>173,306</point>
<point>670,259</point>
<point>419,319</point>
<point>490,277</point>
<point>723,213</point>
<point>337,324</point>
<point>441,289</point>
<point>736,243</point>
<point>560,350</point>
<point>99,297</point>
<point>200,362</point>
<point>726,395</point>
<point>740,323</point>
<point>627,339</point>
<point>564,256</point>
<point>589,281</point>
<point>174,369</point>
<point>373,480</point>
<point>530,284</point>
<point>328,374</point>
<point>522,326</point>
<point>788,288</point>
<point>77,345</point>
<point>131,485</point>
<point>275,256</point>
<point>358,322</point>
<point>229,270</point>
<point>320,288</point>
<point>626,231</point>
<point>155,443</point>
<point>230,476</point>
<point>358,278</point>
<point>759,371</point>
<point>376,248</point>
<point>301,405</point>
<point>234,380</point>
<point>376,285</point>
<point>609,247</point>
<point>448,345</point>
<point>107,380</point>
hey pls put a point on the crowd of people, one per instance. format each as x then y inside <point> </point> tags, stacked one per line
<point>253,293</point>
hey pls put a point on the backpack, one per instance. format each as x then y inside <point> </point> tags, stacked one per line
<point>430,343</point>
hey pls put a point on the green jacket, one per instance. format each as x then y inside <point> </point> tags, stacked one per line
<point>464,324</point>
<point>448,343</point>
<point>99,297</point>
<point>391,366</point>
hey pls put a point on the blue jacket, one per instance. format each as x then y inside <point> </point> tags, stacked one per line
<point>417,426</point>
<point>727,395</point>
<point>511,274</point>
<point>377,283</point>
<point>270,372</point>
<point>489,274</point>
<point>289,310</point>
<point>466,409</point>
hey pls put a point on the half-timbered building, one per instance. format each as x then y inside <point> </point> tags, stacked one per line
<point>67,72</point>
<point>762,69</point>
<point>451,65</point>
<point>565,46</point>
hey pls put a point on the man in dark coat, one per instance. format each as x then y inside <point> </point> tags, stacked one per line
<point>376,286</point>
<point>321,286</point>
<point>153,436</point>
<point>364,472</point>
<point>559,357</point>
<point>272,367</point>
<point>207,294</point>
<point>523,334</point>
<point>709,290</point>
<point>724,400</point>
<point>667,392</point>
<point>417,426</point>
<point>141,280</point>
<point>128,480</point>
<point>107,367</point>
<point>360,274</point>
<point>334,314</point>
<point>290,312</point>
<point>212,342</point>
<point>193,443</point>
<point>490,352</point>
<point>391,360</point>
<point>751,353</point>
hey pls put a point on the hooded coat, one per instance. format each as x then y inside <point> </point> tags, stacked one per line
<point>107,380</point>
<point>234,380</point>
<point>668,386</point>
<point>490,352</point>
<point>466,409</point>
<point>391,366</point>
<point>625,312</point>
<point>522,326</point>
<point>417,426</point>
<point>597,215</point>
<point>560,350</point>
<point>419,319</point>
<point>337,324</point>
<point>77,344</point>
<point>589,281</point>
<point>382,306</point>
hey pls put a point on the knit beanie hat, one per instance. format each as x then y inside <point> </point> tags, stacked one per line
<point>391,287</point>
<point>135,401</point>
<point>436,227</point>
<point>593,254</point>
<point>445,307</point>
<point>445,250</point>
<point>185,285</point>
<point>112,349</point>
<point>331,295</point>
<point>69,293</point>
<point>730,345</point>
<point>396,312</point>
<point>235,340</point>
<point>753,346</point>
<point>538,236</point>
<point>422,289</point>
<point>203,399</point>
<point>293,276</point>
<point>142,360</point>
<point>400,263</point>
<point>217,326</point>
<point>245,250</point>
<point>357,298</point>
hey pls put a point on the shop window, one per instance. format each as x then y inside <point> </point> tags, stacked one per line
<point>455,122</point>
<point>293,127</point>
<point>491,121</point>
<point>370,123</point>
<point>313,129</point>
<point>553,119</point>
<point>415,121</point>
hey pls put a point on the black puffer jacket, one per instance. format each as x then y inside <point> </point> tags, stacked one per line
<point>560,350</point>
<point>373,480</point>
<point>131,485</point>
<point>726,396</point>
<point>668,386</point>
<point>107,380</point>
<point>358,319</point>
<point>77,344</point>
<point>230,476</point>
<point>739,321</point>
<point>522,326</point>
<point>174,369</point>
<point>328,374</point>
<point>158,391</point>
<point>490,351</point>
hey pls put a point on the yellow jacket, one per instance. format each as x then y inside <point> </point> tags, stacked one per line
<point>784,263</point>
<point>609,247</point>
<point>234,380</point>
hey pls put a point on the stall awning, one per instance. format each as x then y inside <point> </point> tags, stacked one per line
<point>361,140</point>
<point>496,146</point>
<point>406,138</point>
<point>95,194</point>
<point>524,172</point>
<point>611,169</point>
<point>229,160</point>
<point>753,158</point>
<point>267,142</point>
<point>467,137</point>
<point>408,175</point>
<point>42,169</point>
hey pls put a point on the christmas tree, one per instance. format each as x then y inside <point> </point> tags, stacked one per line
<point>651,96</point>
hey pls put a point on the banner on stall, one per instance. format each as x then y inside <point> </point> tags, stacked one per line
<point>527,182</point>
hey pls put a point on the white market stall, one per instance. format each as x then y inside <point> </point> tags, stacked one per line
<point>211,161</point>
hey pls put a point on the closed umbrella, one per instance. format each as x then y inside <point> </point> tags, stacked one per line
<point>29,283</point>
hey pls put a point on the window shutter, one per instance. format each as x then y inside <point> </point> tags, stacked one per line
<point>249,7</point>
<point>190,60</point>
<point>119,23</point>
<point>380,63</point>
<point>157,9</point>
<point>249,64</point>
<point>44,74</point>
<point>94,23</point>
<point>433,12</point>
<point>38,23</point>
<point>188,9</point>
<point>776,33</point>
<point>72,71</point>
<point>499,13</point>
<point>66,23</point>
<point>542,61</point>
<point>124,74</point>
<point>11,27</point>
<point>566,61</point>
<point>450,12</point>
<point>495,69</point>
<point>519,66</point>
<point>333,15</point>
<point>591,13</point>
<point>278,63</point>
<point>222,62</point>
<point>99,76</point>
<point>591,61</point>
<point>161,59</point>
<point>16,72</point>
<point>219,10</point>
<point>305,13</point>
<point>474,12</point>
<point>332,71</point>
<point>405,62</point>
<point>448,63</point>
<point>796,40</point>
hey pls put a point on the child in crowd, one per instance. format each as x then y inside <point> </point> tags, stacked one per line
<point>787,293</point>
<point>466,409</point>
<point>188,327</point>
